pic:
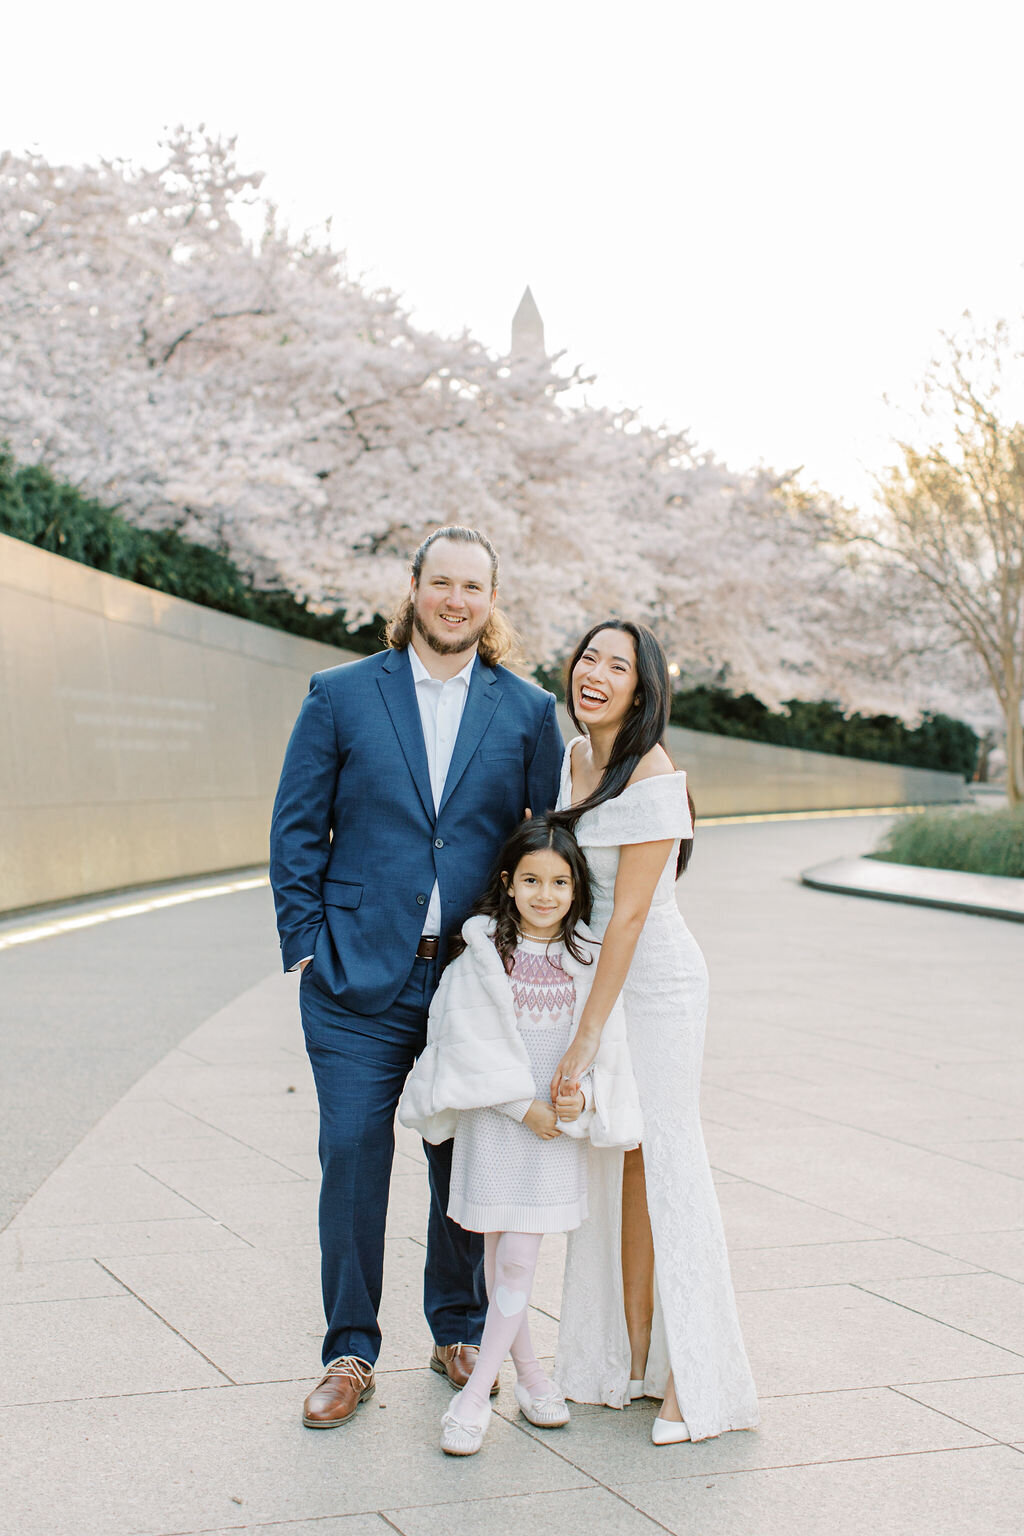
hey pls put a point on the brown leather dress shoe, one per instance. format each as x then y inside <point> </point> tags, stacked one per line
<point>455,1363</point>
<point>347,1382</point>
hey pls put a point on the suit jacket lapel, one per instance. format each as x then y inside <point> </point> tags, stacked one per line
<point>399,692</point>
<point>481,703</point>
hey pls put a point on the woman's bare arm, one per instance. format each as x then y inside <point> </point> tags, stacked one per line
<point>640,868</point>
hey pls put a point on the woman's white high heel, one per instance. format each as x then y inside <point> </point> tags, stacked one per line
<point>636,1389</point>
<point>669,1432</point>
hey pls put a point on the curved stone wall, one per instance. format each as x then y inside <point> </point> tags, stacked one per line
<point>141,737</point>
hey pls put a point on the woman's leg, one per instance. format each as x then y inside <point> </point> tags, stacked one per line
<point>638,1276</point>
<point>670,1405</point>
<point>515,1259</point>
<point>637,1261</point>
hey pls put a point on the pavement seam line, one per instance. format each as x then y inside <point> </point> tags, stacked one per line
<point>525,1428</point>
<point>1010,1108</point>
<point>185,1340</point>
<point>996,1439</point>
<point>966,1332</point>
<point>826,1285</point>
<point>887,1386</point>
<point>862,1130</point>
<point>172,1191</point>
<point>832,1461</point>
<point>977,1269</point>
<point>484,1498</point>
<point>812,1205</point>
<point>211,1125</point>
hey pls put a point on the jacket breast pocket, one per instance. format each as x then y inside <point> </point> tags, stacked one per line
<point>340,893</point>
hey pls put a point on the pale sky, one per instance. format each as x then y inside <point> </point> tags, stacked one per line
<point>748,219</point>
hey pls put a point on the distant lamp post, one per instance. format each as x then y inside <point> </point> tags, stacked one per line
<point>527,329</point>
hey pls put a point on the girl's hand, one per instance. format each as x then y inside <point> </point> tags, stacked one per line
<point>542,1121</point>
<point>580,1055</point>
<point>569,1106</point>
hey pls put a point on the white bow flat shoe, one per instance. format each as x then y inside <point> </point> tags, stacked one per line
<point>458,1439</point>
<point>668,1432</point>
<point>548,1410</point>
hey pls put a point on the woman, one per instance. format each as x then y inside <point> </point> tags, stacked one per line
<point>648,1307</point>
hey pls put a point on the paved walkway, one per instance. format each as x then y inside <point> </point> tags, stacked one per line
<point>864,1105</point>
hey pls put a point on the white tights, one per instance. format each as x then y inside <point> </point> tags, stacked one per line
<point>510,1259</point>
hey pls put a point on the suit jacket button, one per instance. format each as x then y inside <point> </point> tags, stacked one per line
<point>421,901</point>
<point>438,842</point>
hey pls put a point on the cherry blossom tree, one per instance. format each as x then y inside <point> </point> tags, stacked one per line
<point>255,398</point>
<point>250,394</point>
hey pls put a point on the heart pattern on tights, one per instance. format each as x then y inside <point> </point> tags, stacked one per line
<point>509,1302</point>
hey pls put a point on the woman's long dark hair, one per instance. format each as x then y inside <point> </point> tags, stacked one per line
<point>641,730</point>
<point>531,837</point>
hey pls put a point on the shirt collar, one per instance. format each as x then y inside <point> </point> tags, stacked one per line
<point>421,675</point>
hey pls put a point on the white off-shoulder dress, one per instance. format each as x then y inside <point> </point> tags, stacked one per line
<point>696,1329</point>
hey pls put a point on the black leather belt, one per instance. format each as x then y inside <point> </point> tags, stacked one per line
<point>427,948</point>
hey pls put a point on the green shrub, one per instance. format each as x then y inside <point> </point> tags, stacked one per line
<point>981,842</point>
<point>45,512</point>
<point>821,726</point>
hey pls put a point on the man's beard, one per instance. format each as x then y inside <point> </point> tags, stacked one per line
<point>463,639</point>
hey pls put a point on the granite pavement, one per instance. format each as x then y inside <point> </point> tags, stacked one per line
<point>864,1110</point>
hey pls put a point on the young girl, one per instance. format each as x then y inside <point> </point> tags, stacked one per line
<point>506,1008</point>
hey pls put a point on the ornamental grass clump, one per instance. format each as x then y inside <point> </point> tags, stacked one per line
<point>979,842</point>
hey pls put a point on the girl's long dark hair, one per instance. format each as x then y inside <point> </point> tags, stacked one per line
<point>643,728</point>
<point>496,902</point>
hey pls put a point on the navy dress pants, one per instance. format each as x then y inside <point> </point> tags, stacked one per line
<point>360,1064</point>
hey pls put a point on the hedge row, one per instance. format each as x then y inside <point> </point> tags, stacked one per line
<point>54,516</point>
<point>938,742</point>
<point>981,842</point>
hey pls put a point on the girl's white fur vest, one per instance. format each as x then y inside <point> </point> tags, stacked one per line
<point>475,1058</point>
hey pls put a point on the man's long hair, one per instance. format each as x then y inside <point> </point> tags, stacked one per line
<point>499,641</point>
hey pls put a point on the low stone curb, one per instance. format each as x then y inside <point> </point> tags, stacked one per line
<point>981,895</point>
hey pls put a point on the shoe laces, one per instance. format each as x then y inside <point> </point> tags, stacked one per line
<point>358,1370</point>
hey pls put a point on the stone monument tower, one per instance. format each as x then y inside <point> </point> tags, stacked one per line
<point>527,329</point>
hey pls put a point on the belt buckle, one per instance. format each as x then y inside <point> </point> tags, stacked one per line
<point>427,948</point>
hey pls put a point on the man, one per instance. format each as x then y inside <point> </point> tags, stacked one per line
<point>405,773</point>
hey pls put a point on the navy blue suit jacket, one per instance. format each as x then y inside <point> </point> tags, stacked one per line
<point>355,844</point>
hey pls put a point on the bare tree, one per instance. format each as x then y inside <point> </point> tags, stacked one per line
<point>948,534</point>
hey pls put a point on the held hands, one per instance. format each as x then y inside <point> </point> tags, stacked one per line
<point>569,1105</point>
<point>542,1121</point>
<point>580,1055</point>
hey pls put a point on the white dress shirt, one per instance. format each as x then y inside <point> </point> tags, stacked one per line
<point>440,705</point>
